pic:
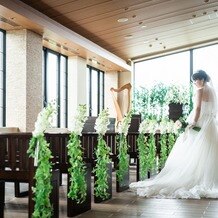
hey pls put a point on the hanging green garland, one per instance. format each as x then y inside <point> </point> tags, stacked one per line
<point>171,141</point>
<point>77,169</point>
<point>151,152</point>
<point>163,150</point>
<point>39,150</point>
<point>102,157</point>
<point>123,157</point>
<point>101,169</point>
<point>143,153</point>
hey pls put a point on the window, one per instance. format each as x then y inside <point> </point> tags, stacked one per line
<point>175,68</point>
<point>2,76</point>
<point>168,69</point>
<point>95,90</point>
<point>205,58</point>
<point>55,74</point>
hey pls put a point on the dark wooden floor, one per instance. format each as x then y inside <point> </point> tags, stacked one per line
<point>125,204</point>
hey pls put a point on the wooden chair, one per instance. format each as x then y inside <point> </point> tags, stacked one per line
<point>16,166</point>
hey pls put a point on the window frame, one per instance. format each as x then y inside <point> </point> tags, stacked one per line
<point>46,51</point>
<point>100,89</point>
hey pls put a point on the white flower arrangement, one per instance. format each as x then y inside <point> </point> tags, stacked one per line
<point>148,126</point>
<point>124,126</point>
<point>79,120</point>
<point>166,126</point>
<point>102,122</point>
<point>44,119</point>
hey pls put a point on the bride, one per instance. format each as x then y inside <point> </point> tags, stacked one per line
<point>191,170</point>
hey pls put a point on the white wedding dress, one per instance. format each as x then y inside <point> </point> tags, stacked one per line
<point>191,170</point>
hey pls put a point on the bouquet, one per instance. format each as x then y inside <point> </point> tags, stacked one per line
<point>182,125</point>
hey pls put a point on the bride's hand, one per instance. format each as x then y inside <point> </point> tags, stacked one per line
<point>191,125</point>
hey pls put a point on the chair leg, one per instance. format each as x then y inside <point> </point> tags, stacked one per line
<point>2,198</point>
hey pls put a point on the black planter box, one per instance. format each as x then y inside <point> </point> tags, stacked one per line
<point>73,208</point>
<point>109,191</point>
<point>124,184</point>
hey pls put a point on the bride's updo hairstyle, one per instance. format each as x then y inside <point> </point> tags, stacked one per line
<point>201,75</point>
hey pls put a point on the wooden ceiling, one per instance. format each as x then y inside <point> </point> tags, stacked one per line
<point>152,27</point>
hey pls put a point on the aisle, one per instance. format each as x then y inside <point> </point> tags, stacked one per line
<point>124,205</point>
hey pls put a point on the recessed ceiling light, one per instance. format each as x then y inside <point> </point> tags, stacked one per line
<point>128,36</point>
<point>122,20</point>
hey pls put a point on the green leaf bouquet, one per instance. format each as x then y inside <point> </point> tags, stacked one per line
<point>102,156</point>
<point>39,150</point>
<point>77,169</point>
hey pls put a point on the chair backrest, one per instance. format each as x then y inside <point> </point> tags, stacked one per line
<point>58,145</point>
<point>14,159</point>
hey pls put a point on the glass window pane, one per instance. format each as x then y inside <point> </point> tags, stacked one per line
<point>94,93</point>
<point>63,90</point>
<point>101,88</point>
<point>1,98</point>
<point>2,42</point>
<point>88,91</point>
<point>1,117</point>
<point>52,80</point>
<point>205,59</point>
<point>1,60</point>
<point>1,79</point>
<point>156,73</point>
<point>168,69</point>
<point>56,85</point>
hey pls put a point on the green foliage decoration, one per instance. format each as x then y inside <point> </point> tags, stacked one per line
<point>171,141</point>
<point>143,153</point>
<point>123,157</point>
<point>102,153</point>
<point>151,152</point>
<point>43,188</point>
<point>157,94</point>
<point>77,170</point>
<point>40,151</point>
<point>101,169</point>
<point>163,150</point>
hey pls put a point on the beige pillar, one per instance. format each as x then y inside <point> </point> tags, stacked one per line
<point>111,80</point>
<point>77,89</point>
<point>23,79</point>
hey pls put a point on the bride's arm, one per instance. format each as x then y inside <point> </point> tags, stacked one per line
<point>197,109</point>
